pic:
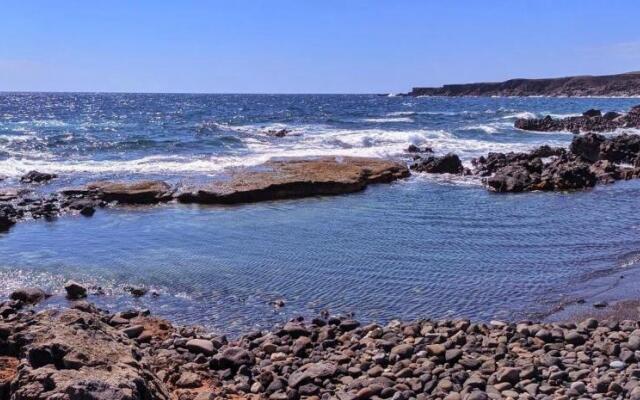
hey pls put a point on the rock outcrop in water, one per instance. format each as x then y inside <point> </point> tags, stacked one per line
<point>85,353</point>
<point>621,85</point>
<point>590,121</point>
<point>295,178</point>
<point>274,180</point>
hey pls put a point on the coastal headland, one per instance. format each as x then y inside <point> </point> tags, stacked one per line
<point>620,85</point>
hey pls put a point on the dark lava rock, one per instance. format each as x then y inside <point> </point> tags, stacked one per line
<point>592,113</point>
<point>415,149</point>
<point>449,163</point>
<point>28,295</point>
<point>37,177</point>
<point>136,291</point>
<point>7,219</point>
<point>278,132</point>
<point>87,211</point>
<point>590,121</point>
<point>587,146</point>
<point>75,290</point>
<point>611,115</point>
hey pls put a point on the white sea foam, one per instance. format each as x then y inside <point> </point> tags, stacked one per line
<point>304,141</point>
<point>490,128</point>
<point>383,120</point>
<point>521,114</point>
<point>44,123</point>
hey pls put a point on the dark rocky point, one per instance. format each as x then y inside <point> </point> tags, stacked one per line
<point>620,85</point>
<point>589,121</point>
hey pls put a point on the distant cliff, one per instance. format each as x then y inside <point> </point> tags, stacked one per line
<point>622,85</point>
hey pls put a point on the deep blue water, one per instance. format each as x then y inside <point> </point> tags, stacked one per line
<point>424,247</point>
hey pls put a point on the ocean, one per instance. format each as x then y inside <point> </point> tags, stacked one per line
<point>425,247</point>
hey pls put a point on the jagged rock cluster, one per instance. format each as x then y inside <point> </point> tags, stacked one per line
<point>591,159</point>
<point>590,121</point>
<point>86,353</point>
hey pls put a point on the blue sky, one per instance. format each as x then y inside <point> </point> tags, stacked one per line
<point>307,46</point>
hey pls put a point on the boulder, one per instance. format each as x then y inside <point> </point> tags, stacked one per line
<point>28,295</point>
<point>592,113</point>
<point>449,163</point>
<point>75,290</point>
<point>6,222</point>
<point>200,346</point>
<point>294,178</point>
<point>587,146</point>
<point>232,357</point>
<point>510,179</point>
<point>310,372</point>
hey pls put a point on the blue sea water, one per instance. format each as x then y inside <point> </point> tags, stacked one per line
<point>429,246</point>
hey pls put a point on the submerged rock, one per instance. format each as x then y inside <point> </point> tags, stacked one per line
<point>37,177</point>
<point>295,178</point>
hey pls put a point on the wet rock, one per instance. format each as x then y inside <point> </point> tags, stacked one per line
<point>75,290</point>
<point>37,177</point>
<point>587,146</point>
<point>28,295</point>
<point>278,132</point>
<point>87,211</point>
<point>592,113</point>
<point>136,291</point>
<point>449,163</point>
<point>6,221</point>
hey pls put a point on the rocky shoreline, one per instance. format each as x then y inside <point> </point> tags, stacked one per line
<point>81,352</point>
<point>620,85</point>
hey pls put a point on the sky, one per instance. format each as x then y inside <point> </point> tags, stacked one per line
<point>307,46</point>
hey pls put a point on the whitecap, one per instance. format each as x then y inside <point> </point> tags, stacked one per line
<point>385,120</point>
<point>521,114</point>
